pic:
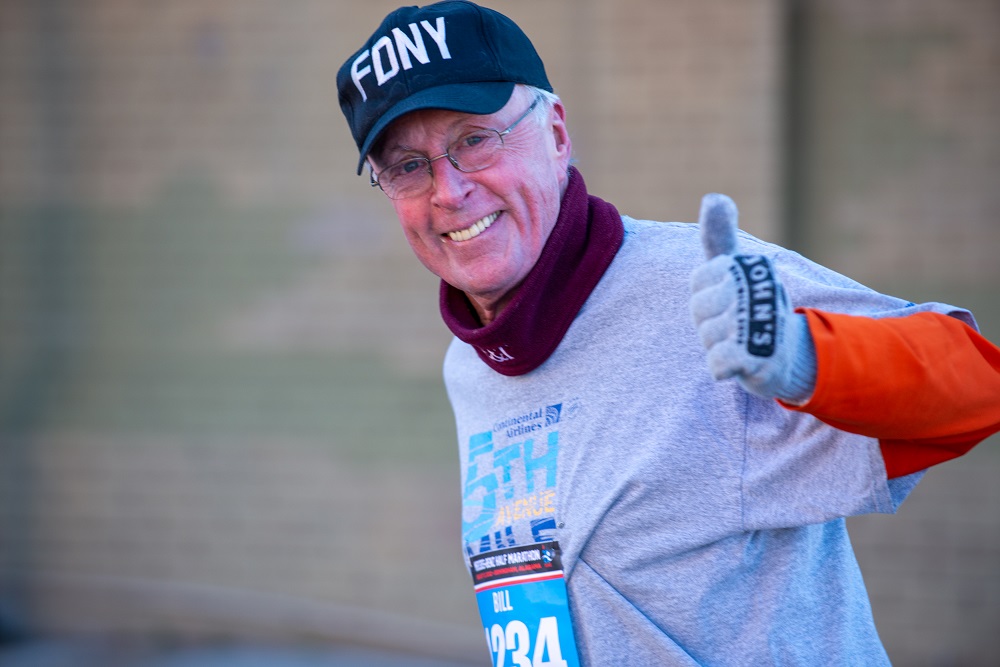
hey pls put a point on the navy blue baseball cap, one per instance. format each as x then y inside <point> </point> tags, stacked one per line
<point>452,55</point>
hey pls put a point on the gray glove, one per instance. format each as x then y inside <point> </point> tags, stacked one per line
<point>743,316</point>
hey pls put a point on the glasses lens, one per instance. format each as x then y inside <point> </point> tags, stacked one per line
<point>472,151</point>
<point>406,179</point>
<point>476,150</point>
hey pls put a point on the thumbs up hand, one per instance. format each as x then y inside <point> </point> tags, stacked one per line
<point>743,316</point>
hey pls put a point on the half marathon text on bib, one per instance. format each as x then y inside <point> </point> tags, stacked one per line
<point>522,600</point>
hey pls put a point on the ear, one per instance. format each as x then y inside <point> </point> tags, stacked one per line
<point>562,145</point>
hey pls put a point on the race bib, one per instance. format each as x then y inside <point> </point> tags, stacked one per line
<point>522,601</point>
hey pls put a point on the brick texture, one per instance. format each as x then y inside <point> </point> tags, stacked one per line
<point>220,404</point>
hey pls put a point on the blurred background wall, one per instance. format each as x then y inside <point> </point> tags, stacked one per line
<point>221,414</point>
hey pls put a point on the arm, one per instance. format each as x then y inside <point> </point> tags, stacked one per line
<point>926,385</point>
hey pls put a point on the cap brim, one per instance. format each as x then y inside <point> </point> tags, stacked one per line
<point>479,98</point>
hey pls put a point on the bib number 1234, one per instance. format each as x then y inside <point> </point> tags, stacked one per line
<point>516,641</point>
<point>521,594</point>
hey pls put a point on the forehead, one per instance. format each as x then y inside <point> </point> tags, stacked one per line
<point>427,126</point>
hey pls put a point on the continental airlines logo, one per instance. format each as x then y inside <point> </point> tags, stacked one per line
<point>530,421</point>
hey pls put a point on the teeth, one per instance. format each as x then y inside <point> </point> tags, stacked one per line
<point>475,230</point>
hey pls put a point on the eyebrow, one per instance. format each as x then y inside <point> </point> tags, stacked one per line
<point>461,124</point>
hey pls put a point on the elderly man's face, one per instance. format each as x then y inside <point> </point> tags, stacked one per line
<point>518,197</point>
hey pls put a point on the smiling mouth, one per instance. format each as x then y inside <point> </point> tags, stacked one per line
<point>475,229</point>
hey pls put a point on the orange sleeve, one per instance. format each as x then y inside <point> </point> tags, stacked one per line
<point>926,385</point>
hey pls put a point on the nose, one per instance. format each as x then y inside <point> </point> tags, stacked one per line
<point>450,185</point>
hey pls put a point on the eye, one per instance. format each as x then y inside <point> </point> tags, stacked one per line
<point>409,166</point>
<point>473,140</point>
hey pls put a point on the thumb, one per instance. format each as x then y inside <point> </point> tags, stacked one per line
<point>718,219</point>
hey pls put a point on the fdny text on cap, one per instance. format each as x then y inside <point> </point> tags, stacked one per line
<point>392,52</point>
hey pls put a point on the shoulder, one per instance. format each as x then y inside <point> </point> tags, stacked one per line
<point>652,248</point>
<point>682,241</point>
<point>660,256</point>
<point>645,235</point>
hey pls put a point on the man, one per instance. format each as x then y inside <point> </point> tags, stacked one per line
<point>621,506</point>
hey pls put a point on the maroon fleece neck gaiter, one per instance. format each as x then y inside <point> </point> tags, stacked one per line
<point>579,249</point>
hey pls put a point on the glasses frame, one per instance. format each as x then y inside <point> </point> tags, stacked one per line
<point>500,133</point>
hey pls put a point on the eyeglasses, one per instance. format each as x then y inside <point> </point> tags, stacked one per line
<point>473,151</point>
